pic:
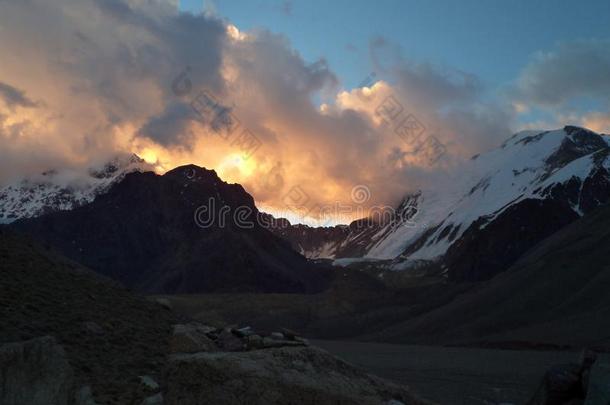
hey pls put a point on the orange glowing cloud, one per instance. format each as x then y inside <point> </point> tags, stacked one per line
<point>121,76</point>
<point>598,122</point>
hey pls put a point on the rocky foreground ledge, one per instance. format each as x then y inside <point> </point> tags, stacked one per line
<point>206,365</point>
<point>242,366</point>
<point>585,382</point>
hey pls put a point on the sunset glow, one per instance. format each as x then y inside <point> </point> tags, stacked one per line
<point>306,126</point>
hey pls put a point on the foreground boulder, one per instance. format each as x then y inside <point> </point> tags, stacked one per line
<point>287,375</point>
<point>35,372</point>
<point>195,337</point>
<point>191,338</point>
<point>561,384</point>
<point>599,384</point>
<point>566,383</point>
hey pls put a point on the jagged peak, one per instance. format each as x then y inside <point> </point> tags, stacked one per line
<point>577,143</point>
<point>575,133</point>
<point>409,199</point>
<point>117,164</point>
<point>573,129</point>
<point>192,171</point>
<point>520,136</point>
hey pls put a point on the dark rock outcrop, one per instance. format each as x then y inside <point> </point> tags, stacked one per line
<point>35,372</point>
<point>311,242</point>
<point>195,337</point>
<point>566,383</point>
<point>191,338</point>
<point>598,384</point>
<point>279,376</point>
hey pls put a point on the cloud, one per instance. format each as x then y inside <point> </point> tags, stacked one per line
<point>599,122</point>
<point>328,150</point>
<point>122,75</point>
<point>172,127</point>
<point>14,97</point>
<point>574,69</point>
<point>452,104</point>
<point>569,85</point>
<point>595,121</point>
<point>102,69</point>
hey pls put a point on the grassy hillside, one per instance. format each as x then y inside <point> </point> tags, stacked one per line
<point>110,336</point>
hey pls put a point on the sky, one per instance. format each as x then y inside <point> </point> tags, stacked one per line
<point>295,100</point>
<point>494,39</point>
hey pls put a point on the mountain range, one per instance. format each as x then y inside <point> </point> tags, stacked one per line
<point>503,203</point>
<point>146,232</point>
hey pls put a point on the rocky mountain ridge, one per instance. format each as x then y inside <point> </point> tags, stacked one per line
<point>477,225</point>
<point>58,190</point>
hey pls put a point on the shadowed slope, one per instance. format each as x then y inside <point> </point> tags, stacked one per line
<point>144,233</point>
<point>557,293</point>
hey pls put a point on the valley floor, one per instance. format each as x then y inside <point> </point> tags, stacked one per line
<point>451,375</point>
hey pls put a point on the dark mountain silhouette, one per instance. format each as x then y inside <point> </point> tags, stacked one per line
<point>153,234</point>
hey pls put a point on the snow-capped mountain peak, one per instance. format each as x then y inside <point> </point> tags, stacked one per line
<point>56,190</point>
<point>531,185</point>
<point>530,165</point>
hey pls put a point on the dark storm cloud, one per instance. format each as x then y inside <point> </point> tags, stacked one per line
<point>14,97</point>
<point>172,127</point>
<point>573,69</point>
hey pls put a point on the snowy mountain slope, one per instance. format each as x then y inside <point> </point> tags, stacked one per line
<point>566,170</point>
<point>570,165</point>
<point>63,190</point>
